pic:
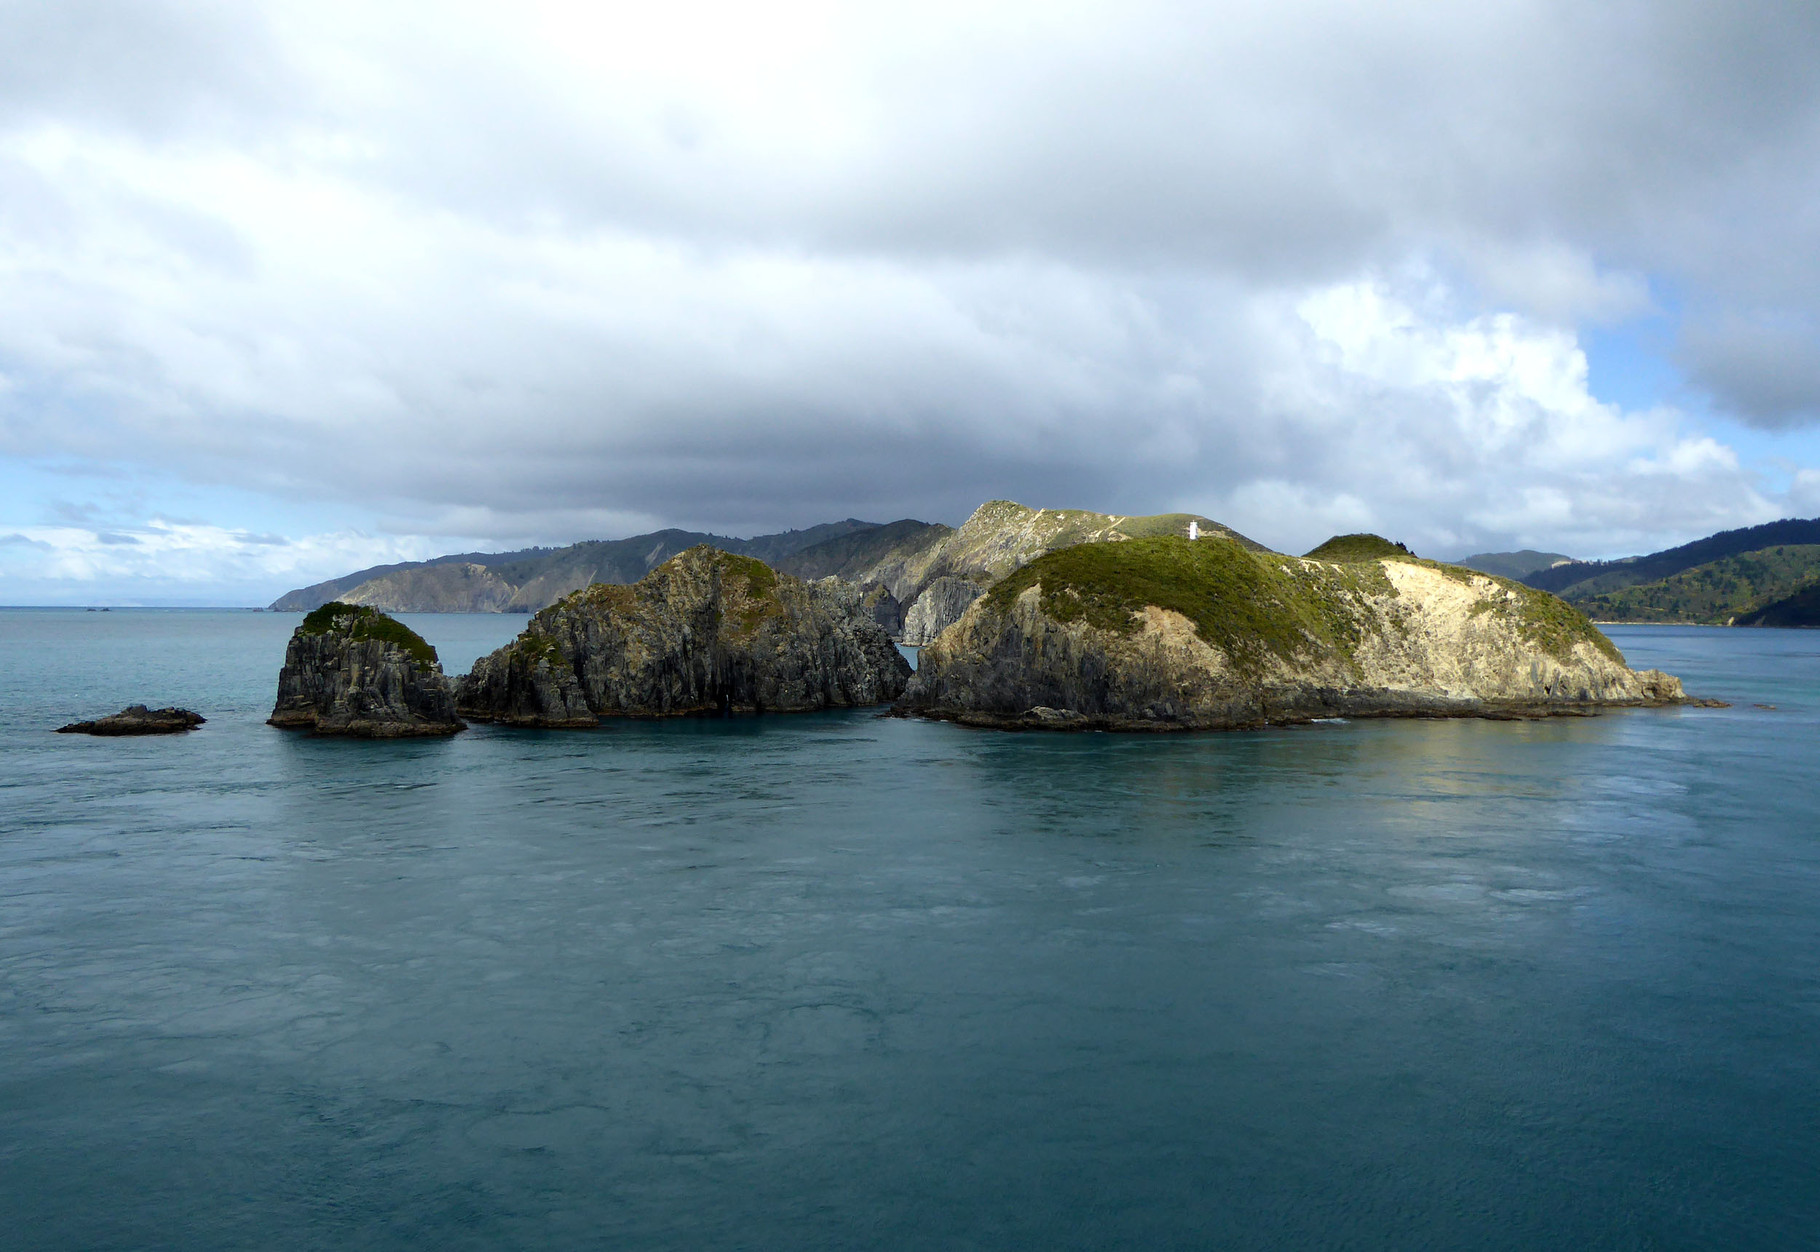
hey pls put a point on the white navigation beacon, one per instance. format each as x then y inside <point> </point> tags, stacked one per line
<point>1194,530</point>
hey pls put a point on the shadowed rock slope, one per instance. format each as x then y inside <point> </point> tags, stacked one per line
<point>706,632</point>
<point>937,607</point>
<point>1159,633</point>
<point>351,670</point>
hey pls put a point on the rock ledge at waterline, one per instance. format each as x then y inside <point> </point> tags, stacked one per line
<point>136,719</point>
<point>352,670</point>
<point>1165,633</point>
<point>705,632</point>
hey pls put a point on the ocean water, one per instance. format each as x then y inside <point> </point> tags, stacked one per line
<point>837,981</point>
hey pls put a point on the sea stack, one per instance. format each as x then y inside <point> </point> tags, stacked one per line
<point>1161,633</point>
<point>705,632</point>
<point>352,670</point>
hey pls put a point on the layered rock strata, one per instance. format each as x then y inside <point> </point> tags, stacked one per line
<point>136,719</point>
<point>938,607</point>
<point>706,632</point>
<point>352,670</point>
<point>1161,633</point>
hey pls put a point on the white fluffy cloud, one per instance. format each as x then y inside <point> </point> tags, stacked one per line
<point>479,275</point>
<point>166,562</point>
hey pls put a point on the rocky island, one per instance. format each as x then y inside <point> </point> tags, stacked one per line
<point>352,670</point>
<point>707,631</point>
<point>136,719</point>
<point>1165,633</point>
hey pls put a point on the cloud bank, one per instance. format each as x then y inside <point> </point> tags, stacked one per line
<point>485,276</point>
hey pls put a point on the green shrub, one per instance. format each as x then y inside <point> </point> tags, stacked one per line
<point>361,621</point>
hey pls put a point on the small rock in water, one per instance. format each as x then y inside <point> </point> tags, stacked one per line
<point>136,719</point>
<point>1043,715</point>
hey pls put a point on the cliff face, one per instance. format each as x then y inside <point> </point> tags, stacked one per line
<point>938,607</point>
<point>1160,633</point>
<point>454,587</point>
<point>705,632</point>
<point>351,670</point>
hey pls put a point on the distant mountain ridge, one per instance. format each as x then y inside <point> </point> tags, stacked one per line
<point>1745,589</point>
<point>1515,564</point>
<point>893,563</point>
<point>527,580</point>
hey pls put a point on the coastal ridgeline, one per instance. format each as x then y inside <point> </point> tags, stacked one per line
<point>707,631</point>
<point>351,670</point>
<point>1164,633</point>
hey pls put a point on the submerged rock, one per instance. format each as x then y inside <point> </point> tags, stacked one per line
<point>706,632</point>
<point>1161,633</point>
<point>352,670</point>
<point>136,719</point>
<point>938,607</point>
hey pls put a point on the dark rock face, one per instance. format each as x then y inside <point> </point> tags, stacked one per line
<point>706,632</point>
<point>882,607</point>
<point>938,607</point>
<point>136,719</point>
<point>351,670</point>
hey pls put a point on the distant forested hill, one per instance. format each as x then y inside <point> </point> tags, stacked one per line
<point>1718,592</point>
<point>1515,564</point>
<point>1582,579</point>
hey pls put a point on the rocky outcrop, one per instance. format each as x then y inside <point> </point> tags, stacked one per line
<point>351,670</point>
<point>938,607</point>
<point>882,607</point>
<point>706,632</point>
<point>1161,633</point>
<point>136,719</point>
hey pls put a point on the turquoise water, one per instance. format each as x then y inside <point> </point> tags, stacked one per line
<point>837,981</point>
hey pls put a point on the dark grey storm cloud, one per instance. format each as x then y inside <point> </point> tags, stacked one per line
<point>530,273</point>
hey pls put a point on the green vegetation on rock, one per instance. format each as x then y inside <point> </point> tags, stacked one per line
<point>363,622</point>
<point>1361,547</point>
<point>1257,605</point>
<point>1248,604</point>
<point>1550,623</point>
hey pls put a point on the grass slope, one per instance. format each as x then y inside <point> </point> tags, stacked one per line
<point>1358,548</point>
<point>1242,602</point>
<point>1257,605</point>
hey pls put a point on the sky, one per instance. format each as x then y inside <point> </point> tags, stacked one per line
<point>287,290</point>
